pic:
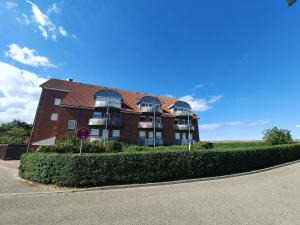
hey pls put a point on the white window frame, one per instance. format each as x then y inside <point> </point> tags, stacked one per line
<point>114,132</point>
<point>72,124</point>
<point>57,101</point>
<point>54,117</point>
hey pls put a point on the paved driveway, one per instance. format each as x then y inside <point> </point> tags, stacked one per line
<point>11,184</point>
<point>266,198</point>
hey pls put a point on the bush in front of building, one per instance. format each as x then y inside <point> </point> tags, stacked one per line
<point>140,167</point>
<point>88,147</point>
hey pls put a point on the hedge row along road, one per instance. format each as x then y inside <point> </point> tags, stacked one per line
<point>90,170</point>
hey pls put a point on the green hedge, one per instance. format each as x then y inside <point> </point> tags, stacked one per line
<point>121,168</point>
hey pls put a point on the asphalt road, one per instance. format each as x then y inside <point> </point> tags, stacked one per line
<point>266,198</point>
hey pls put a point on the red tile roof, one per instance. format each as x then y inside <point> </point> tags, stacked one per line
<point>82,95</point>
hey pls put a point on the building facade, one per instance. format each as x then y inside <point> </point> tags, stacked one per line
<point>127,116</point>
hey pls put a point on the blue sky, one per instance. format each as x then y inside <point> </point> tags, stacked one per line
<point>236,63</point>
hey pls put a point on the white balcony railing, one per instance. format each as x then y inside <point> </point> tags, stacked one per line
<point>150,109</point>
<point>97,121</point>
<point>184,127</point>
<point>103,121</point>
<point>183,113</point>
<point>104,103</point>
<point>147,125</point>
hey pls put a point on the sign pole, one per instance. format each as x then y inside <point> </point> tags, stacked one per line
<point>80,150</point>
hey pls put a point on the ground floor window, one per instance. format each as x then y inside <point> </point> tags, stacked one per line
<point>142,134</point>
<point>116,133</point>
<point>158,135</point>
<point>54,116</point>
<point>177,136</point>
<point>94,132</point>
<point>150,134</point>
<point>71,124</point>
<point>105,134</point>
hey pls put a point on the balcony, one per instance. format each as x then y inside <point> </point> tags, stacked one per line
<point>102,122</point>
<point>182,113</point>
<point>105,103</point>
<point>149,125</point>
<point>150,141</point>
<point>184,127</point>
<point>150,109</point>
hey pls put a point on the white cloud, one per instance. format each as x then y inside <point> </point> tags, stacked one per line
<point>199,104</point>
<point>249,123</point>
<point>298,126</point>
<point>53,9</point>
<point>20,89</point>
<point>24,20</point>
<point>10,5</point>
<point>27,56</point>
<point>46,27</point>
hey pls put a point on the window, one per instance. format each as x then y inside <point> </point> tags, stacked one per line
<point>94,132</point>
<point>150,119</point>
<point>176,121</point>
<point>142,134</point>
<point>183,121</point>
<point>177,136</point>
<point>142,119</point>
<point>150,134</point>
<point>191,136</point>
<point>116,133</point>
<point>107,115</point>
<point>54,116</point>
<point>71,124</point>
<point>105,134</point>
<point>97,115</point>
<point>57,101</point>
<point>158,135</point>
<point>158,120</point>
<point>183,135</point>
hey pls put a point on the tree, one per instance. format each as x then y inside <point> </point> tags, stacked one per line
<point>14,132</point>
<point>276,136</point>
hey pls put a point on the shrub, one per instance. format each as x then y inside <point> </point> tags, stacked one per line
<point>121,168</point>
<point>113,146</point>
<point>68,139</point>
<point>88,147</point>
<point>277,136</point>
<point>203,145</point>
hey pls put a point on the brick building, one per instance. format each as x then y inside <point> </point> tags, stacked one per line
<point>127,116</point>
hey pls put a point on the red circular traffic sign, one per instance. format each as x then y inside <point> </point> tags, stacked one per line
<point>83,133</point>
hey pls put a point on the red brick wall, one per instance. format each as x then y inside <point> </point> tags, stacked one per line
<point>129,132</point>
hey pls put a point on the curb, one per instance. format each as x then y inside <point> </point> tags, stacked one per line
<point>127,186</point>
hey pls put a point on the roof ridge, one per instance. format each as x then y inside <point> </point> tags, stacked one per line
<point>110,88</point>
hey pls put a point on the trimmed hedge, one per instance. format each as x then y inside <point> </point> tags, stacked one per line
<point>90,170</point>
